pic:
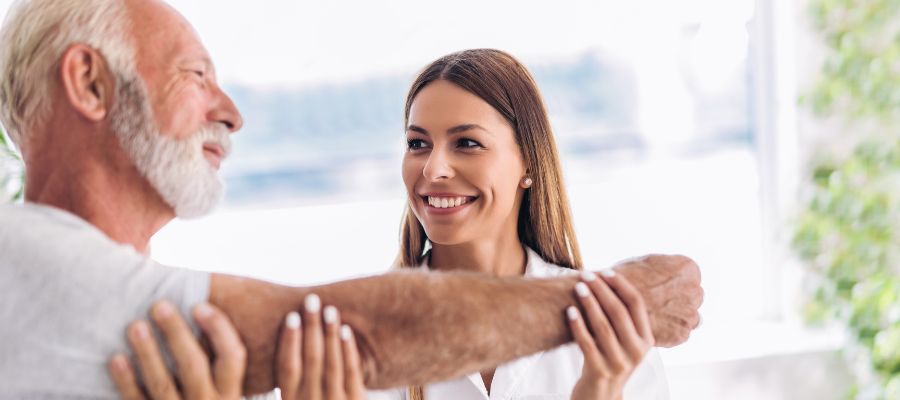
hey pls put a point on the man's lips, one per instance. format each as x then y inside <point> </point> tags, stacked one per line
<point>214,153</point>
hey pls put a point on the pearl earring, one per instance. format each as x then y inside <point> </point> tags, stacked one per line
<point>527,182</point>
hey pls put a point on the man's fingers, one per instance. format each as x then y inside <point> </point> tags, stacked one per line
<point>157,378</point>
<point>313,349</point>
<point>123,376</point>
<point>334,363</point>
<point>289,366</point>
<point>191,361</point>
<point>229,350</point>
<point>353,377</point>
<point>592,357</point>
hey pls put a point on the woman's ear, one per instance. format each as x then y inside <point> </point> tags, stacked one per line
<point>86,81</point>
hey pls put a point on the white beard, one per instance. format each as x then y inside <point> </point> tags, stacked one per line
<point>177,169</point>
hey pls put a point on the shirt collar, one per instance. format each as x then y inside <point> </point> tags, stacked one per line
<point>535,266</point>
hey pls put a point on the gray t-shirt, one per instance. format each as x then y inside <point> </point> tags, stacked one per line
<point>67,293</point>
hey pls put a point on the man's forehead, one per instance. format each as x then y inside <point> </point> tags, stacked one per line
<point>156,24</point>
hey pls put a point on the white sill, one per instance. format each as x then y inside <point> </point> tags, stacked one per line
<point>719,341</point>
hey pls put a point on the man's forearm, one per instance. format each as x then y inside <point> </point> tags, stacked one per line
<point>415,327</point>
<point>411,327</point>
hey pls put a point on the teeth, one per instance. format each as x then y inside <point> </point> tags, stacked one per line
<point>447,202</point>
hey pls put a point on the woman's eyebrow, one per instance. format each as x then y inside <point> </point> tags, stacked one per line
<point>465,127</point>
<point>452,131</point>
<point>418,129</point>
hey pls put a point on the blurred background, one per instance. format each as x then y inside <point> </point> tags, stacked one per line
<point>756,136</point>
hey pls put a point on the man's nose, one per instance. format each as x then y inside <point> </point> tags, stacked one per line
<point>224,111</point>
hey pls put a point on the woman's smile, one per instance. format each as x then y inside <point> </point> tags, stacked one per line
<point>446,203</point>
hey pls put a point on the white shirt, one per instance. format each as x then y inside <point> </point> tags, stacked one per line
<point>547,375</point>
<point>69,292</point>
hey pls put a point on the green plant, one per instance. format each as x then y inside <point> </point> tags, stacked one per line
<point>849,231</point>
<point>12,172</point>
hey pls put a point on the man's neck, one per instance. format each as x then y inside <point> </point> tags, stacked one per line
<point>114,199</point>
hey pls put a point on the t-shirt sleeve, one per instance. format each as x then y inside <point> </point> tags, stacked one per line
<point>69,293</point>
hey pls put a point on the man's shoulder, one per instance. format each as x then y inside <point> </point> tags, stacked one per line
<point>35,216</point>
<point>35,234</point>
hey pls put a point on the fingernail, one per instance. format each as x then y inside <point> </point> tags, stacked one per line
<point>293,320</point>
<point>346,333</point>
<point>163,310</point>
<point>588,276</point>
<point>331,315</point>
<point>609,272</point>
<point>141,331</point>
<point>313,303</point>
<point>119,363</point>
<point>572,313</point>
<point>582,290</point>
<point>203,310</point>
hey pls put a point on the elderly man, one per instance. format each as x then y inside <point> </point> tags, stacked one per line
<point>122,125</point>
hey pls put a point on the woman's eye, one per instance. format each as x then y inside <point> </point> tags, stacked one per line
<point>468,144</point>
<point>416,144</point>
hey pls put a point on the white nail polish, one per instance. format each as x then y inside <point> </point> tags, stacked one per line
<point>346,333</point>
<point>582,290</point>
<point>572,313</point>
<point>609,272</point>
<point>313,303</point>
<point>331,315</point>
<point>293,320</point>
<point>588,276</point>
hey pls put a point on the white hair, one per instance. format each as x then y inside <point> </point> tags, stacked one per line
<point>177,169</point>
<point>33,39</point>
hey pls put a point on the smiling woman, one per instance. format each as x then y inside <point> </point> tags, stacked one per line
<point>489,125</point>
<point>485,190</point>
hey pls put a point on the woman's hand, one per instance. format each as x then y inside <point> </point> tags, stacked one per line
<point>330,367</point>
<point>617,316</point>
<point>195,380</point>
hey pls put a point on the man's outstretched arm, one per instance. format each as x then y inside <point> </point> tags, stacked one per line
<point>415,327</point>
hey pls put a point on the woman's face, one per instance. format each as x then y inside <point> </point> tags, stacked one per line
<point>462,168</point>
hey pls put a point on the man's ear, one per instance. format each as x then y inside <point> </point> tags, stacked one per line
<point>86,81</point>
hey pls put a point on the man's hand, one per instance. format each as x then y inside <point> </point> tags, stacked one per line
<point>672,292</point>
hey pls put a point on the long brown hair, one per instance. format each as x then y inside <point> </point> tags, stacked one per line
<point>545,221</point>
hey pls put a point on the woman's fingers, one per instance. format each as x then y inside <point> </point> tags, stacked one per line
<point>592,358</point>
<point>157,379</point>
<point>635,303</point>
<point>289,366</point>
<point>334,363</point>
<point>617,314</point>
<point>353,377</point>
<point>603,332</point>
<point>229,350</point>
<point>123,376</point>
<point>190,359</point>
<point>313,349</point>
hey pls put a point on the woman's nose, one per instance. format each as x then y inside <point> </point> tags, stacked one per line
<point>437,167</point>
